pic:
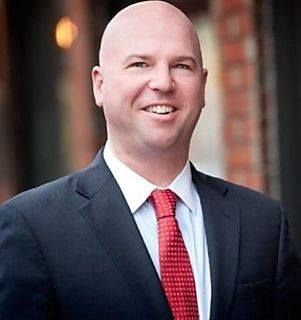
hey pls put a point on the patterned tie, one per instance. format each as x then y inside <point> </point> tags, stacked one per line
<point>176,272</point>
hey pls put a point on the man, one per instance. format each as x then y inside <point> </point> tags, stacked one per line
<point>86,246</point>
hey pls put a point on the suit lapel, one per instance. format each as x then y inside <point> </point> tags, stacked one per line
<point>111,220</point>
<point>222,225</point>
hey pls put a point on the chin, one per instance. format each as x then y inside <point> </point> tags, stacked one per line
<point>164,145</point>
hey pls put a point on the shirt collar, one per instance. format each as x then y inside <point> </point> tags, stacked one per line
<point>137,189</point>
<point>183,187</point>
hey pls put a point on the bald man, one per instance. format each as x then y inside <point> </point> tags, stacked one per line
<point>86,246</point>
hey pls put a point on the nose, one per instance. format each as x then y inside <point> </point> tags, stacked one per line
<point>162,79</point>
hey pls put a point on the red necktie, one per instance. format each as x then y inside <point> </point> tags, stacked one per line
<point>175,268</point>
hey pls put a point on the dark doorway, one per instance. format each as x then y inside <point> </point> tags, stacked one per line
<point>287,35</point>
<point>34,68</point>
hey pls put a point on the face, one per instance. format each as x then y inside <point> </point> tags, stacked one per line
<point>150,83</point>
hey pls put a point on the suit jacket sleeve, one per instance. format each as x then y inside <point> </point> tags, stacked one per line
<point>288,278</point>
<point>25,286</point>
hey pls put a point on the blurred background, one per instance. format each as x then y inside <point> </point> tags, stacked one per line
<point>249,132</point>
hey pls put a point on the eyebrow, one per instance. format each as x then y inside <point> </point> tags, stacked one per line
<point>137,56</point>
<point>148,57</point>
<point>186,58</point>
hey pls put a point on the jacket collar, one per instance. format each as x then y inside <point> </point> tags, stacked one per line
<point>110,219</point>
<point>109,216</point>
<point>222,225</point>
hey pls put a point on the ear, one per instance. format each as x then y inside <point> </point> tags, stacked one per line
<point>205,75</point>
<point>97,80</point>
<point>203,85</point>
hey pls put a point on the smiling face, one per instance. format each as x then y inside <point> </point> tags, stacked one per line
<point>150,81</point>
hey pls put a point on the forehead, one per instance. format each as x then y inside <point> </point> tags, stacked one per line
<point>149,32</point>
<point>153,38</point>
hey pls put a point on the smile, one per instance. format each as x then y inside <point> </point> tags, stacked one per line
<point>160,109</point>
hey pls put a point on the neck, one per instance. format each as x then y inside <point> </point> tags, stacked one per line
<point>159,168</point>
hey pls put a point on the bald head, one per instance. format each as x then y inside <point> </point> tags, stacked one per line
<point>150,83</point>
<point>147,17</point>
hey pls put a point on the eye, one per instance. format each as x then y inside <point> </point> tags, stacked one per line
<point>139,64</point>
<point>182,66</point>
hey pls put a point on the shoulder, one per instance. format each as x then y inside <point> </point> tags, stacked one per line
<point>241,196</point>
<point>62,196</point>
<point>258,215</point>
<point>241,193</point>
<point>44,197</point>
<point>67,189</point>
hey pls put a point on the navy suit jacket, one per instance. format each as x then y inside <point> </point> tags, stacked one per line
<point>71,249</point>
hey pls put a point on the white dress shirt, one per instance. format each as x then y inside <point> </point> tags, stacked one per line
<point>189,215</point>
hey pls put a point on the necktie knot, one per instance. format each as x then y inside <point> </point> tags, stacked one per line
<point>164,203</point>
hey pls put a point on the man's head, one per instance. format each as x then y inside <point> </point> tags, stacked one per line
<point>150,79</point>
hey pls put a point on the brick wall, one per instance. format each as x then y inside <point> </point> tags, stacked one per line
<point>235,25</point>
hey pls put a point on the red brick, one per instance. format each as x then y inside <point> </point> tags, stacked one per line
<point>231,4</point>
<point>239,155</point>
<point>238,76</point>
<point>238,51</point>
<point>244,177</point>
<point>238,176</point>
<point>236,24</point>
<point>237,131</point>
<point>232,25</point>
<point>255,181</point>
<point>6,191</point>
<point>237,102</point>
<point>247,22</point>
<point>233,51</point>
<point>233,77</point>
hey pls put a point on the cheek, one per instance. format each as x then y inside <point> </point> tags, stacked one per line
<point>199,97</point>
<point>124,91</point>
<point>117,104</point>
<point>193,96</point>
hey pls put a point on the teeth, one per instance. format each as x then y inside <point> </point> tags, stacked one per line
<point>160,109</point>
